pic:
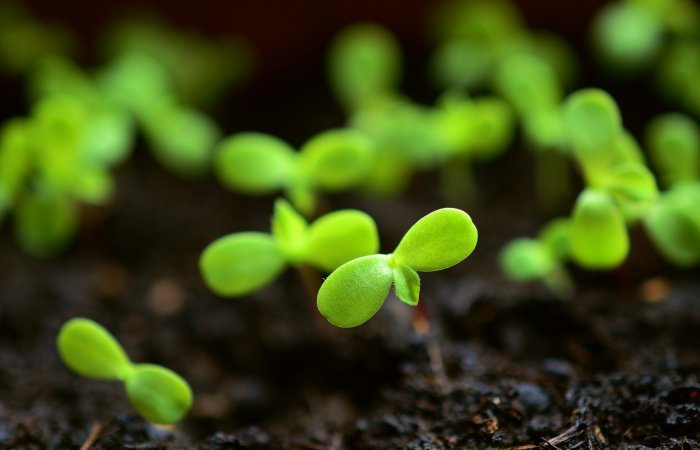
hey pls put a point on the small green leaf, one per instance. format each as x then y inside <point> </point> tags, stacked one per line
<point>336,159</point>
<point>88,349</point>
<point>158,394</point>
<point>339,237</point>
<point>364,63</point>
<point>108,137</point>
<point>633,187</point>
<point>254,163</point>
<point>439,240</point>
<point>45,223</point>
<point>93,185</point>
<point>673,141</point>
<point>183,139</point>
<point>674,225</point>
<point>302,197</point>
<point>407,285</point>
<point>529,83</point>
<point>493,127</point>
<point>593,121</point>
<point>240,263</point>
<point>355,291</point>
<point>598,237</point>
<point>289,229</point>
<point>555,237</point>
<point>526,259</point>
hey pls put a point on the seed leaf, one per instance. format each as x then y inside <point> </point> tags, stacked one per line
<point>158,394</point>
<point>90,350</point>
<point>526,259</point>
<point>240,263</point>
<point>439,240</point>
<point>289,229</point>
<point>355,291</point>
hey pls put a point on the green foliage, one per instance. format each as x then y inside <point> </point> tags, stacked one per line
<point>158,394</point>
<point>364,64</point>
<point>355,291</point>
<point>45,223</point>
<point>598,236</point>
<point>673,141</point>
<point>258,163</point>
<point>673,224</point>
<point>527,259</point>
<point>241,263</point>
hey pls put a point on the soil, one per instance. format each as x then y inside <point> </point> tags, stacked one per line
<point>498,365</point>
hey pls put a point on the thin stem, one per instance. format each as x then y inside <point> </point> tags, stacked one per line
<point>421,325</point>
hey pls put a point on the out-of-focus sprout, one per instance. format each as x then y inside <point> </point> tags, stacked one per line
<point>673,142</point>
<point>677,74</point>
<point>259,164</point>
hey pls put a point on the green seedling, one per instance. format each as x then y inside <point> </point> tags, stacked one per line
<point>258,163</point>
<point>628,36</point>
<point>673,141</point>
<point>677,74</point>
<point>355,291</point>
<point>158,394</point>
<point>598,238</point>
<point>364,65</point>
<point>673,224</point>
<point>240,263</point>
<point>541,259</point>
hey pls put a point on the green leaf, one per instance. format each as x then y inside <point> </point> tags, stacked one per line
<point>554,236</point>
<point>94,185</point>
<point>241,263</point>
<point>158,394</point>
<point>633,187</point>
<point>529,83</point>
<point>407,285</point>
<point>183,139</point>
<point>439,240</point>
<point>598,236</point>
<point>364,63</point>
<point>492,127</point>
<point>303,198</point>
<point>592,120</point>
<point>526,259</point>
<point>289,229</point>
<point>16,154</point>
<point>462,64</point>
<point>339,237</point>
<point>674,225</point>
<point>336,159</point>
<point>45,224</point>
<point>673,141</point>
<point>108,137</point>
<point>355,291</point>
<point>254,163</point>
<point>88,349</point>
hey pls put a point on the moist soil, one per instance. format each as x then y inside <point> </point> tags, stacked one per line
<point>483,364</point>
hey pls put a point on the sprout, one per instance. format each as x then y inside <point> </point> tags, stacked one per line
<point>673,141</point>
<point>673,224</point>
<point>355,291</point>
<point>598,237</point>
<point>331,161</point>
<point>45,223</point>
<point>364,64</point>
<point>157,393</point>
<point>241,263</point>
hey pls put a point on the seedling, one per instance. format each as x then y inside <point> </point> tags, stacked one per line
<point>158,394</point>
<point>673,141</point>
<point>240,263</point>
<point>258,163</point>
<point>355,291</point>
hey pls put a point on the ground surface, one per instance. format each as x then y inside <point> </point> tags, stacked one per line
<point>615,367</point>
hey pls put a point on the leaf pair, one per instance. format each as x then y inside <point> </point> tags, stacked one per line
<point>158,394</point>
<point>355,291</point>
<point>258,163</point>
<point>240,263</point>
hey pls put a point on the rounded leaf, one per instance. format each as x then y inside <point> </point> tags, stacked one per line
<point>592,120</point>
<point>339,237</point>
<point>336,159</point>
<point>254,163</point>
<point>598,236</point>
<point>158,394</point>
<point>88,349</point>
<point>673,141</point>
<point>355,291</point>
<point>633,187</point>
<point>289,229</point>
<point>439,240</point>
<point>45,223</point>
<point>526,259</point>
<point>241,263</point>
<point>407,285</point>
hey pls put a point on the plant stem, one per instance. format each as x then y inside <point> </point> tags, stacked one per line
<point>421,325</point>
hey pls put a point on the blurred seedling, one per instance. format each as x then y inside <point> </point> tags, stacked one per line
<point>355,291</point>
<point>158,394</point>
<point>673,142</point>
<point>331,161</point>
<point>240,263</point>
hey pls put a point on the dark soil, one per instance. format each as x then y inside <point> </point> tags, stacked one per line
<point>615,367</point>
